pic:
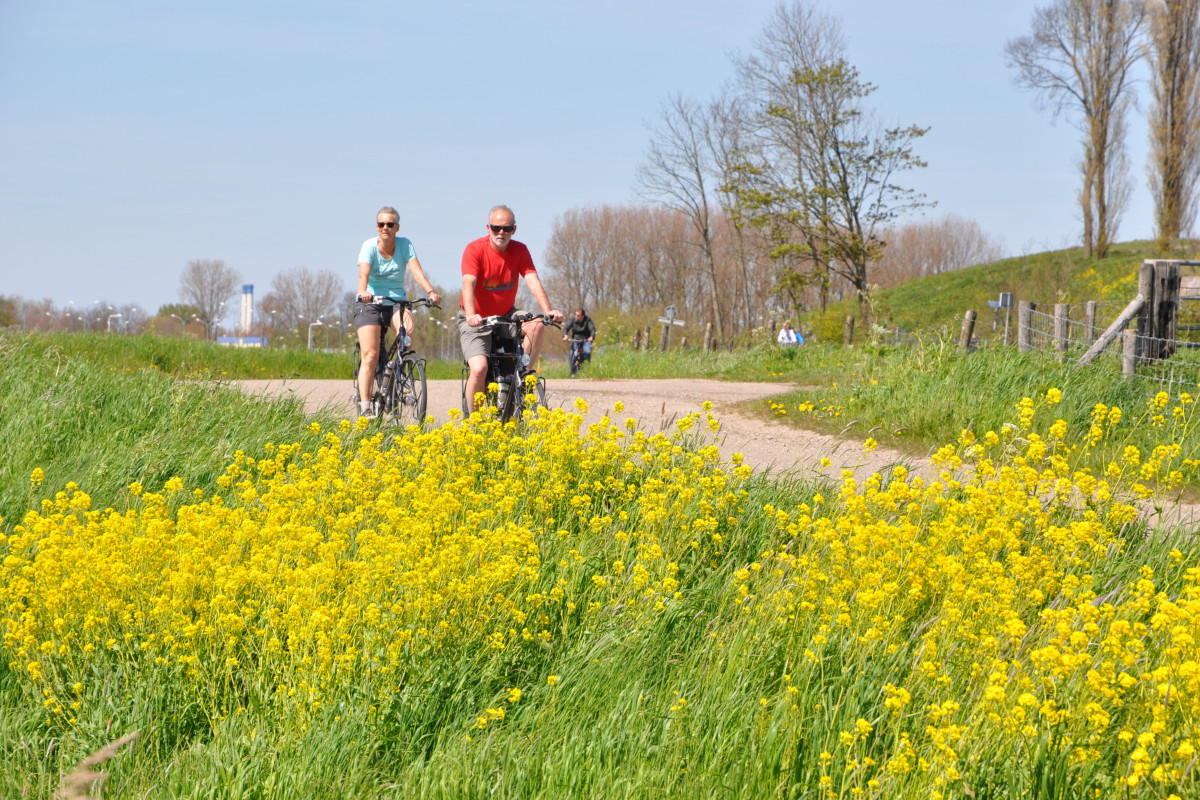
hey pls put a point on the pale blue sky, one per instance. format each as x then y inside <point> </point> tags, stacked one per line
<point>135,136</point>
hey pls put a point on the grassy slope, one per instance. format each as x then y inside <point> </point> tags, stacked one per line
<point>1056,276</point>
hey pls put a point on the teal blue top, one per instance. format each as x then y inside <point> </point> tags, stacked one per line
<point>387,274</point>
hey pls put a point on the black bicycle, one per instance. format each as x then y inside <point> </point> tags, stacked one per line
<point>400,389</point>
<point>508,367</point>
<point>577,356</point>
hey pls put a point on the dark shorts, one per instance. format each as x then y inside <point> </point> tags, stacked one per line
<point>377,314</point>
<point>478,341</point>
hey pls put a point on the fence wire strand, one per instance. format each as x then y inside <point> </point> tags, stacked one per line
<point>1175,372</point>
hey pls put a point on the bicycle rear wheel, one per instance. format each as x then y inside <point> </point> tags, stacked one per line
<point>355,398</point>
<point>411,396</point>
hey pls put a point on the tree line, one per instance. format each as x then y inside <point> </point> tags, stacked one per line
<point>785,191</point>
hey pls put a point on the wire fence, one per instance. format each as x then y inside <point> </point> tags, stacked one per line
<point>1176,372</point>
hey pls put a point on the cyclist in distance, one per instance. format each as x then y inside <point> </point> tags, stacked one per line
<point>382,263</point>
<point>581,327</point>
<point>491,266</point>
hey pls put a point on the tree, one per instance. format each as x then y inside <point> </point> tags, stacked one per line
<point>181,310</point>
<point>822,178</point>
<point>679,173</point>
<point>8,311</point>
<point>299,296</point>
<point>775,155</point>
<point>930,247</point>
<point>1077,58</point>
<point>208,285</point>
<point>1174,169</point>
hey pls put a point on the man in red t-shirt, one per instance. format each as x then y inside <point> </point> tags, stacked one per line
<point>490,268</point>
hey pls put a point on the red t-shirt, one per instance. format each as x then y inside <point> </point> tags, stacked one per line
<point>495,274</point>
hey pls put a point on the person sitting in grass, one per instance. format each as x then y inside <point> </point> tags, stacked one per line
<point>789,336</point>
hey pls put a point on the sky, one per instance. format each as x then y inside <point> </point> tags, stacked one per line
<point>136,136</point>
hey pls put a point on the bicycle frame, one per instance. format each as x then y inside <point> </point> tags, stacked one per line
<point>576,357</point>
<point>399,373</point>
<point>507,367</point>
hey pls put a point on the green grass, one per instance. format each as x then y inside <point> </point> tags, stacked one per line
<point>939,301</point>
<point>610,730</point>
<point>187,357</point>
<point>79,418</point>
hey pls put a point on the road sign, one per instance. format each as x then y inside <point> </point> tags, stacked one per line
<point>668,317</point>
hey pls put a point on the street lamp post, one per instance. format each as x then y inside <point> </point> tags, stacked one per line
<point>111,317</point>
<point>312,325</point>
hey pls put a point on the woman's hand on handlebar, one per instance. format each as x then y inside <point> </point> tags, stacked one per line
<point>365,297</point>
<point>434,298</point>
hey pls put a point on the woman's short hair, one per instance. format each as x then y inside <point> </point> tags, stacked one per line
<point>389,210</point>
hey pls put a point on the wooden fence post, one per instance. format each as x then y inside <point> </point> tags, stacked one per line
<point>849,330</point>
<point>664,338</point>
<point>968,328</point>
<point>1145,322</point>
<point>637,340</point>
<point>1025,326</point>
<point>683,344</point>
<point>1166,294</point>
<point>1089,320</point>
<point>1062,327</point>
<point>709,345</point>
<point>646,339</point>
<point>1129,352</point>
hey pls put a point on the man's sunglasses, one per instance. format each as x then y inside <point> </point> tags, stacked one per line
<point>385,224</point>
<point>505,228</point>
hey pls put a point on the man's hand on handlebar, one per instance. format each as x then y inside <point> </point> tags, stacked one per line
<point>474,321</point>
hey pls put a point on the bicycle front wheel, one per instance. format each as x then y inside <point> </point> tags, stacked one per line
<point>538,392</point>
<point>411,396</point>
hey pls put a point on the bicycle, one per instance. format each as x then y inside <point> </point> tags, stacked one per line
<point>508,367</point>
<point>400,388</point>
<point>577,356</point>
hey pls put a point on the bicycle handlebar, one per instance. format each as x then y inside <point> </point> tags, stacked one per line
<point>497,319</point>
<point>420,302</point>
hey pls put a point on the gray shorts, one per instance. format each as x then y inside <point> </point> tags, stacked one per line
<point>478,341</point>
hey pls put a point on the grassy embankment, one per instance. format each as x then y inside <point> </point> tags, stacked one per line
<point>545,613</point>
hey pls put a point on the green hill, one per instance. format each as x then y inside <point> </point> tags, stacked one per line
<point>1056,276</point>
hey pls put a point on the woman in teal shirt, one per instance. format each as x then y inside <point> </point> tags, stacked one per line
<point>382,263</point>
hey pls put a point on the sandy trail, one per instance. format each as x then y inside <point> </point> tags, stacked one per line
<point>765,445</point>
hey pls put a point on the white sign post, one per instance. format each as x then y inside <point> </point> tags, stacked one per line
<point>667,320</point>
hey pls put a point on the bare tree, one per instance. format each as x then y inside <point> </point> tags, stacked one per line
<point>1077,58</point>
<point>728,141</point>
<point>208,285</point>
<point>299,296</point>
<point>679,173</point>
<point>1174,168</point>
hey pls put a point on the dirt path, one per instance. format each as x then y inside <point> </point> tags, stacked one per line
<point>766,445</point>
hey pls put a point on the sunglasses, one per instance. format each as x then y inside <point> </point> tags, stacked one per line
<point>385,224</point>
<point>505,228</point>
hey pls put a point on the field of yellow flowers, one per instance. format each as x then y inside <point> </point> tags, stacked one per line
<point>555,609</point>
